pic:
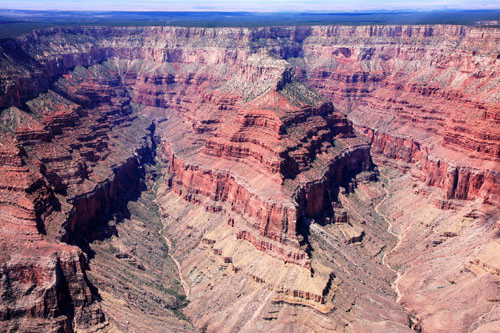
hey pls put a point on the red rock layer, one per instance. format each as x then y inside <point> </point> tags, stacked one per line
<point>65,161</point>
<point>437,85</point>
<point>420,93</point>
<point>240,133</point>
<point>43,285</point>
<point>259,156</point>
<point>87,170</point>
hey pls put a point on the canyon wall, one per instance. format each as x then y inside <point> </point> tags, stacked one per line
<point>427,94</point>
<point>234,127</point>
<point>435,86</point>
<point>70,158</point>
<point>245,126</point>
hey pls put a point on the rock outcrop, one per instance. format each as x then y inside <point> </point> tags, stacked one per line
<point>435,86</point>
<point>243,122</point>
<point>273,158</point>
<point>66,162</point>
<point>420,93</point>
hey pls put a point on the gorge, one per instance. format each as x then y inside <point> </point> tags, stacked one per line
<point>325,178</point>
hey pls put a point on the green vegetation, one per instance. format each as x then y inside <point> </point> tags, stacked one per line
<point>180,303</point>
<point>15,23</point>
<point>298,92</point>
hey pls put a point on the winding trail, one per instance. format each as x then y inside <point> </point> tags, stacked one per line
<point>395,285</point>
<point>184,284</point>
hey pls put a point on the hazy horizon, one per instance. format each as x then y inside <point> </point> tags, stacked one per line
<point>250,6</point>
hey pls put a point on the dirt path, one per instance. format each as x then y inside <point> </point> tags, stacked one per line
<point>395,285</point>
<point>184,284</point>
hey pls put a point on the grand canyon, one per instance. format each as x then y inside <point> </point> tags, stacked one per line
<point>274,179</point>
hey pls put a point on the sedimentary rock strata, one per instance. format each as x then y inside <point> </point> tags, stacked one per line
<point>426,94</point>
<point>263,139</point>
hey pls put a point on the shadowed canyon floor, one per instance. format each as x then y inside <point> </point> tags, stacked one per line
<point>288,179</point>
<point>389,230</point>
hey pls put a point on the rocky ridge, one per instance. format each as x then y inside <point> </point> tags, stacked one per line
<point>243,137</point>
<point>426,94</point>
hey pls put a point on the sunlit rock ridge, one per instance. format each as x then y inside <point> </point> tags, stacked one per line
<point>263,140</point>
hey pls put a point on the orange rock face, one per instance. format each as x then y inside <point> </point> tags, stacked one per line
<point>428,94</point>
<point>64,164</point>
<point>271,158</point>
<point>258,128</point>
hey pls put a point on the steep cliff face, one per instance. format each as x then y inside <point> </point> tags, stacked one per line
<point>44,287</point>
<point>68,161</point>
<point>443,240</point>
<point>259,153</point>
<point>436,86</point>
<point>247,132</point>
<point>241,135</point>
<point>420,93</point>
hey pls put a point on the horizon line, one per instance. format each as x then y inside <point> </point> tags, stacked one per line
<point>290,11</point>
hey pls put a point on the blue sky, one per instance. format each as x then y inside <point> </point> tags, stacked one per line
<point>247,5</point>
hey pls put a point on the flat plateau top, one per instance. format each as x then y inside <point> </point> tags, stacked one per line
<point>17,22</point>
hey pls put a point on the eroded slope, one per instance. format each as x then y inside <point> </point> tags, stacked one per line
<point>259,171</point>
